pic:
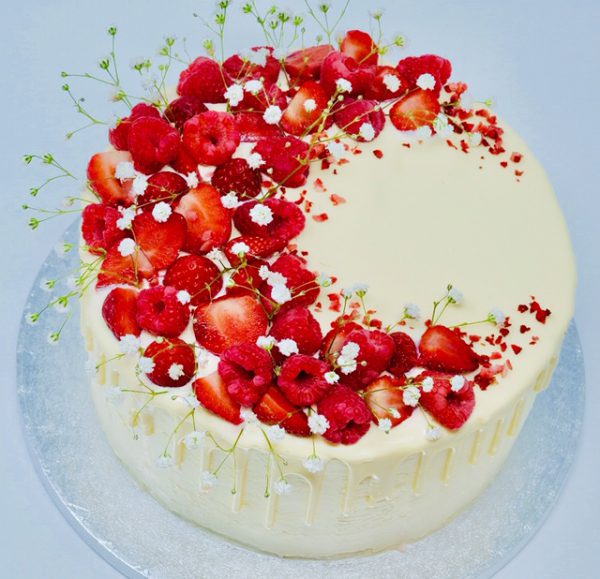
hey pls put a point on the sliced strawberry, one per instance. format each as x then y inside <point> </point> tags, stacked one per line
<point>229,321</point>
<point>118,311</point>
<point>197,275</point>
<point>252,127</point>
<point>208,222</point>
<point>212,394</point>
<point>387,84</point>
<point>275,408</point>
<point>164,186</point>
<point>304,111</point>
<point>260,247</point>
<point>360,46</point>
<point>174,362</point>
<point>287,219</point>
<point>305,64</point>
<point>384,397</point>
<point>101,176</point>
<point>119,269</point>
<point>416,109</point>
<point>247,279</point>
<point>259,101</point>
<point>99,227</point>
<point>159,242</point>
<point>444,349</point>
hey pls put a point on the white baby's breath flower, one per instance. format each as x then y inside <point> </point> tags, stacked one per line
<point>140,184</point>
<point>126,247</point>
<point>337,150</point>
<point>287,347</point>
<point>234,94</point>
<point>240,248</point>
<point>127,217</point>
<point>497,316</point>
<point>208,480</point>
<point>194,439</point>
<point>146,365</point>
<point>433,433</point>
<point>427,384</point>
<point>52,338</point>
<point>129,344</point>
<point>442,127</point>
<point>61,307</point>
<point>313,464</point>
<point>272,115</point>
<point>331,377</point>
<point>360,289</point>
<point>456,383</point>
<point>261,214</point>
<point>256,56</point>
<point>394,412</point>
<point>350,350</point>
<point>266,342</point>
<point>391,82</point>
<point>343,85</point>
<point>282,487</point>
<point>412,311</point>
<point>367,132</point>
<point>411,396</point>
<point>253,86</point>
<point>324,280</point>
<point>347,365</point>
<point>183,297</point>
<point>192,179</point>
<point>216,255</point>
<point>317,423</point>
<point>161,212</point>
<point>455,295</point>
<point>32,318</point>
<point>114,394</point>
<point>309,105</point>
<point>385,425</point>
<point>275,433</point>
<point>273,277</point>
<point>423,133</point>
<point>48,285</point>
<point>230,201</point>
<point>426,81</point>
<point>125,170</point>
<point>280,293</point>
<point>176,371</point>
<point>248,416</point>
<point>255,161</point>
<point>164,461</point>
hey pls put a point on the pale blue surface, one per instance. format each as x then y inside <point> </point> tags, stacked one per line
<point>539,61</point>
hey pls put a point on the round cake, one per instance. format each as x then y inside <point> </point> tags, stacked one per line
<point>327,295</point>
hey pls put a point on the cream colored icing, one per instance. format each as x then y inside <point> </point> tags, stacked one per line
<point>414,220</point>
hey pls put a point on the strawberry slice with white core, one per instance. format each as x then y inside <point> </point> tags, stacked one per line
<point>212,394</point>
<point>416,109</point>
<point>275,408</point>
<point>304,111</point>
<point>124,269</point>
<point>101,176</point>
<point>360,46</point>
<point>197,275</point>
<point>444,349</point>
<point>384,397</point>
<point>118,311</point>
<point>160,242</point>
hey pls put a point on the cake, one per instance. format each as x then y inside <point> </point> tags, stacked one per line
<point>281,352</point>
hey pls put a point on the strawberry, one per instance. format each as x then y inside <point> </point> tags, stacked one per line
<point>337,65</point>
<point>211,137</point>
<point>304,111</point>
<point>451,409</point>
<point>208,222</point>
<point>384,397</point>
<point>239,69</point>
<point>305,64</point>
<point>260,247</point>
<point>269,95</point>
<point>99,227</point>
<point>153,143</point>
<point>174,362</point>
<point>119,134</point>
<point>159,242</point>
<point>412,67</point>
<point>203,79</point>
<point>297,323</point>
<point>101,176</point>
<point>197,275</point>
<point>360,46</point>
<point>387,84</point>
<point>302,379</point>
<point>335,338</point>
<point>405,356</point>
<point>183,109</point>
<point>444,349</point>
<point>212,394</point>
<point>229,321</point>
<point>164,186</point>
<point>247,279</point>
<point>414,110</point>
<point>348,415</point>
<point>237,176</point>
<point>160,312</point>
<point>287,219</point>
<point>252,127</point>
<point>275,408</point>
<point>118,311</point>
<point>352,114</point>
<point>119,269</point>
<point>285,160</point>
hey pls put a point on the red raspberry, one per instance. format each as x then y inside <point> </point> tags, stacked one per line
<point>197,275</point>
<point>285,160</point>
<point>348,415</point>
<point>351,114</point>
<point>405,355</point>
<point>302,379</point>
<point>118,311</point>
<point>211,137</point>
<point>237,176</point>
<point>252,127</point>
<point>185,163</point>
<point>451,409</point>
<point>412,67</point>
<point>258,103</point>
<point>247,279</point>
<point>99,227</point>
<point>288,219</point>
<point>247,371</point>
<point>153,143</point>
<point>164,186</point>
<point>297,323</point>
<point>174,362</point>
<point>183,109</point>
<point>378,89</point>
<point>240,69</point>
<point>337,65</point>
<point>203,79</point>
<point>161,313</point>
<point>119,134</point>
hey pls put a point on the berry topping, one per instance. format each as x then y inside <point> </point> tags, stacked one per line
<point>196,275</point>
<point>160,242</point>
<point>124,269</point>
<point>184,162</point>
<point>302,379</point>
<point>444,349</point>
<point>252,127</point>
<point>174,362</point>
<point>304,111</point>
<point>273,218</point>
<point>183,109</point>
<point>338,66</point>
<point>99,227</point>
<point>118,311</point>
<point>211,137</point>
<point>360,46</point>
<point>153,143</point>
<point>361,118</point>
<point>164,186</point>
<point>203,79</point>
<point>275,408</point>
<point>405,354</point>
<point>387,84</point>
<point>119,134</point>
<point>258,247</point>
<point>212,394</point>
<point>240,69</point>
<point>208,222</point>
<point>450,408</point>
<point>247,278</point>
<point>285,160</point>
<point>412,67</point>
<point>298,324</point>
<point>348,416</point>
<point>101,176</point>
<point>416,109</point>
<point>385,398</point>
<point>160,312</point>
<point>247,371</point>
<point>237,176</point>
<point>229,321</point>
<point>306,64</point>
<point>259,101</point>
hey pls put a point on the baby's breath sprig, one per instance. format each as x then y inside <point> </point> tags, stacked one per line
<point>217,28</point>
<point>274,24</point>
<point>280,463</point>
<point>321,15</point>
<point>228,453</point>
<point>377,34</point>
<point>48,160</point>
<point>452,296</point>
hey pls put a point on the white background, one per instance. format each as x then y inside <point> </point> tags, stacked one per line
<point>538,61</point>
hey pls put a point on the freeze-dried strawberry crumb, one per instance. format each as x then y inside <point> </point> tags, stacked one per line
<point>335,302</point>
<point>516,157</point>
<point>320,217</point>
<point>516,349</point>
<point>504,164</point>
<point>378,153</point>
<point>337,199</point>
<point>524,329</point>
<point>523,308</point>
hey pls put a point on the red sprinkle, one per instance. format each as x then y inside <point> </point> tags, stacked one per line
<point>378,153</point>
<point>516,157</point>
<point>516,349</point>
<point>335,302</point>
<point>320,217</point>
<point>524,329</point>
<point>337,199</point>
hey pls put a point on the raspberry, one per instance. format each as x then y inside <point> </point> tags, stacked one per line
<point>153,143</point>
<point>211,137</point>
<point>284,160</point>
<point>203,79</point>
<point>182,109</point>
<point>298,324</point>
<point>405,355</point>
<point>164,186</point>
<point>302,379</point>
<point>161,313</point>
<point>247,371</point>
<point>240,69</point>
<point>348,415</point>
<point>184,162</point>
<point>451,409</point>
<point>337,65</point>
<point>380,90</point>
<point>119,134</point>
<point>412,67</point>
<point>288,220</point>
<point>197,275</point>
<point>252,127</point>
<point>174,362</point>
<point>99,227</point>
<point>352,114</point>
<point>258,103</point>
<point>237,176</point>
